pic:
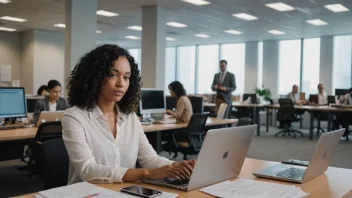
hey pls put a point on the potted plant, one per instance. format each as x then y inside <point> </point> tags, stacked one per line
<point>264,94</point>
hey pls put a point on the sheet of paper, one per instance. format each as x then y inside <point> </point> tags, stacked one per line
<point>85,190</point>
<point>5,73</point>
<point>244,188</point>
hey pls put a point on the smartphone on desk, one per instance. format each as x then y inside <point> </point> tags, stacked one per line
<point>141,191</point>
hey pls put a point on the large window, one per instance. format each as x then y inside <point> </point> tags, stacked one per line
<point>186,61</point>
<point>137,55</point>
<point>260,65</point>
<point>342,62</point>
<point>234,54</point>
<point>170,67</point>
<point>208,65</point>
<point>289,65</point>
<point>311,65</point>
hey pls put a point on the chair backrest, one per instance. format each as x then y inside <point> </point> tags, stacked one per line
<point>244,121</point>
<point>195,130</point>
<point>222,111</point>
<point>55,163</point>
<point>286,111</point>
<point>170,102</point>
<point>197,104</point>
<point>48,130</point>
<point>331,100</point>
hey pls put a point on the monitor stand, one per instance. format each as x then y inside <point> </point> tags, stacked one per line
<point>146,117</point>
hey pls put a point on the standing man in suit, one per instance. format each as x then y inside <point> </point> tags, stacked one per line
<point>224,83</point>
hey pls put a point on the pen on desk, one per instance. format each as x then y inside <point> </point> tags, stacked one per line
<point>93,195</point>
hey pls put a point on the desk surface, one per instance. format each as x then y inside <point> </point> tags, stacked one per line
<point>28,133</point>
<point>336,182</point>
<point>316,108</point>
<point>235,104</point>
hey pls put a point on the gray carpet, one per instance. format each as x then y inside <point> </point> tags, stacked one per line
<point>267,147</point>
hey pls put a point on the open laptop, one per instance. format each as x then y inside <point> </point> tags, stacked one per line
<point>221,158</point>
<point>47,116</point>
<point>318,163</point>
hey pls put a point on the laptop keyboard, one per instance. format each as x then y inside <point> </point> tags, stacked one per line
<point>179,182</point>
<point>292,173</point>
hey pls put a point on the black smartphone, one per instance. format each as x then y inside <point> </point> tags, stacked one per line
<point>141,191</point>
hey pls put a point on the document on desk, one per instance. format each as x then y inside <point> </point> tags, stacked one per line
<point>87,190</point>
<point>245,188</point>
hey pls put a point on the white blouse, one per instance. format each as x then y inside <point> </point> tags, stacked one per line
<point>96,156</point>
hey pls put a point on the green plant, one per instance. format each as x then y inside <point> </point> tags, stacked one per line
<point>263,92</point>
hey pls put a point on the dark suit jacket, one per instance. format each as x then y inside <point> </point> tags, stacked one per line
<point>229,83</point>
<point>43,105</point>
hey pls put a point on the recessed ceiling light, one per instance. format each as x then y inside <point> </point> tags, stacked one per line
<point>13,19</point>
<point>276,32</point>
<point>336,8</point>
<point>133,37</point>
<point>60,25</point>
<point>5,1</point>
<point>170,39</point>
<point>106,13</point>
<point>175,24</point>
<point>138,28</point>
<point>7,29</point>
<point>197,2</point>
<point>233,32</point>
<point>98,31</point>
<point>245,16</point>
<point>317,22</point>
<point>202,35</point>
<point>280,6</point>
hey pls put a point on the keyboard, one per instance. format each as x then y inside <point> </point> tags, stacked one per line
<point>9,127</point>
<point>292,173</point>
<point>179,182</point>
<point>296,162</point>
<point>168,121</point>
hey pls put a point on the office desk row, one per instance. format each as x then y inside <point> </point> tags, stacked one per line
<point>336,182</point>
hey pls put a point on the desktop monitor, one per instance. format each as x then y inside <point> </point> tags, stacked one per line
<point>341,92</point>
<point>313,98</point>
<point>12,102</point>
<point>253,98</point>
<point>153,101</point>
<point>31,102</point>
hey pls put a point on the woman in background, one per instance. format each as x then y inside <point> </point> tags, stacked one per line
<point>52,102</point>
<point>42,91</point>
<point>184,109</point>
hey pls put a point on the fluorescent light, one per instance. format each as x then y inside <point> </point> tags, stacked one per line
<point>106,13</point>
<point>197,2</point>
<point>133,37</point>
<point>202,35</point>
<point>7,29</point>
<point>60,25</point>
<point>245,16</point>
<point>13,19</point>
<point>175,24</point>
<point>336,8</point>
<point>138,28</point>
<point>5,1</point>
<point>276,32</point>
<point>98,31</point>
<point>280,6</point>
<point>233,32</point>
<point>317,22</point>
<point>170,39</point>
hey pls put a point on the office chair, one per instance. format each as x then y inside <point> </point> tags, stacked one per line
<point>197,104</point>
<point>55,164</point>
<point>190,140</point>
<point>244,121</point>
<point>286,115</point>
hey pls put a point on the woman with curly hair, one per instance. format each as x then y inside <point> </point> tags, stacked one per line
<point>102,134</point>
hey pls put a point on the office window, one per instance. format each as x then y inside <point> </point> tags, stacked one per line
<point>342,62</point>
<point>137,55</point>
<point>208,65</point>
<point>234,54</point>
<point>186,61</point>
<point>260,65</point>
<point>311,65</point>
<point>170,67</point>
<point>289,65</point>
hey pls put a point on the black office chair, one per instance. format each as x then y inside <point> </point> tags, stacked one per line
<point>197,104</point>
<point>286,115</point>
<point>190,140</point>
<point>55,163</point>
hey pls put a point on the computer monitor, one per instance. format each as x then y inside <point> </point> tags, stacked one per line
<point>12,102</point>
<point>313,98</point>
<point>253,97</point>
<point>341,92</point>
<point>31,102</point>
<point>153,101</point>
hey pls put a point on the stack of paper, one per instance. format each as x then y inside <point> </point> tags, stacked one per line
<point>85,190</point>
<point>245,188</point>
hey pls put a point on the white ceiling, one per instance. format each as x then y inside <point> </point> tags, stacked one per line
<point>211,19</point>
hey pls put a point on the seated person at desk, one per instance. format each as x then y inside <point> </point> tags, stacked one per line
<point>322,96</point>
<point>42,91</point>
<point>294,96</point>
<point>52,102</point>
<point>102,134</point>
<point>344,118</point>
<point>184,109</point>
<point>347,99</point>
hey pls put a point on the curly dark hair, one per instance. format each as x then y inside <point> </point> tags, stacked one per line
<point>178,88</point>
<point>92,72</point>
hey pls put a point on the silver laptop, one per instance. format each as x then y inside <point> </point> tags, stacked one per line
<point>221,158</point>
<point>318,163</point>
<point>47,116</point>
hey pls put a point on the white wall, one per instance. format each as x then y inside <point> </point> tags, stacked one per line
<point>27,51</point>
<point>271,66</point>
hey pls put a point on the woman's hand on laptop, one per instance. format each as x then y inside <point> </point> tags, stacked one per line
<point>178,170</point>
